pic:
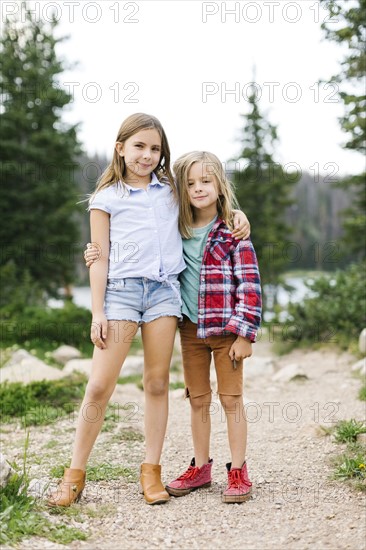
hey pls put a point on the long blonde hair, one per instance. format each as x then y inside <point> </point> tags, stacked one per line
<point>226,200</point>
<point>116,170</point>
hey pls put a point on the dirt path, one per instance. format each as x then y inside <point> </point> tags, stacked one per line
<point>295,505</point>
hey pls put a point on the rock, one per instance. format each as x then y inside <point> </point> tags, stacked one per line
<point>362,342</point>
<point>78,365</point>
<point>258,366</point>
<point>290,372</point>
<point>63,354</point>
<point>5,471</point>
<point>127,393</point>
<point>24,367</point>
<point>37,488</point>
<point>17,357</point>
<point>134,364</point>
<point>360,367</point>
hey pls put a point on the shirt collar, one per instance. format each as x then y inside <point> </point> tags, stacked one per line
<point>154,181</point>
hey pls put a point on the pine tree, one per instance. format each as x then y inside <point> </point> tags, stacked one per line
<point>38,195</point>
<point>348,26</point>
<point>263,191</point>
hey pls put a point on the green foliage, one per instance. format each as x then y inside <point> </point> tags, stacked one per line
<point>39,325</point>
<point>130,435</point>
<point>131,379</point>
<point>100,472</point>
<point>350,31</point>
<point>38,197</point>
<point>263,191</point>
<point>20,516</point>
<point>352,466</point>
<point>362,393</point>
<point>337,311</point>
<point>16,293</point>
<point>347,431</point>
<point>177,385</point>
<point>40,403</point>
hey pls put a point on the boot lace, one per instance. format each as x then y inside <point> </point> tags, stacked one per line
<point>236,480</point>
<point>191,472</point>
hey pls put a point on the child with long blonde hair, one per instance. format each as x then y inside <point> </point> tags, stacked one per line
<point>222,310</point>
<point>134,225</point>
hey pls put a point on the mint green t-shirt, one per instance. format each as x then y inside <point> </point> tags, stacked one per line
<point>193,249</point>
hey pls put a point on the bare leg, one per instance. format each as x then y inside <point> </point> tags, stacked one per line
<point>236,426</point>
<point>105,371</point>
<point>201,428</point>
<point>158,339</point>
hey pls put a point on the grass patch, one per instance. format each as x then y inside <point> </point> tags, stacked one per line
<point>132,379</point>
<point>41,403</point>
<point>176,385</point>
<point>176,366</point>
<point>114,415</point>
<point>21,517</point>
<point>51,444</point>
<point>81,512</point>
<point>362,393</point>
<point>100,472</point>
<point>130,435</point>
<point>346,431</point>
<point>350,466</point>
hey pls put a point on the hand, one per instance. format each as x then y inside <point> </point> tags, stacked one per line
<point>98,330</point>
<point>241,349</point>
<point>241,226</point>
<point>92,253</point>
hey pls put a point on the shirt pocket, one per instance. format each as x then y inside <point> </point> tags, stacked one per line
<point>166,209</point>
<point>220,248</point>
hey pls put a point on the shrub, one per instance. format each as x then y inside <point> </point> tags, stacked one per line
<point>68,325</point>
<point>336,312</point>
<point>20,514</point>
<point>41,402</point>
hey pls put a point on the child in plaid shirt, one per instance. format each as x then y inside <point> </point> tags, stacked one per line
<point>221,315</point>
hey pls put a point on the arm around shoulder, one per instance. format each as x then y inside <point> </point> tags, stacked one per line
<point>100,234</point>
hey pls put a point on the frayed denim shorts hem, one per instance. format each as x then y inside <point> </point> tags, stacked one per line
<point>141,300</point>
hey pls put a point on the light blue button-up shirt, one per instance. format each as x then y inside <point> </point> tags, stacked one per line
<point>144,236</point>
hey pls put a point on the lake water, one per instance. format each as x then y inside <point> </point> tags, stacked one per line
<point>82,295</point>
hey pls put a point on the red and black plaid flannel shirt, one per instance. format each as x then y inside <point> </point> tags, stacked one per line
<point>229,298</point>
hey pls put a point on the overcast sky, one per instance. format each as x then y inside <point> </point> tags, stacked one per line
<point>190,63</point>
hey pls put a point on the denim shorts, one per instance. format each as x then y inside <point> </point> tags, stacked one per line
<point>142,300</point>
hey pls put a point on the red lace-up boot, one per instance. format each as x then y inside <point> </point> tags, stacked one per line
<point>192,479</point>
<point>239,487</point>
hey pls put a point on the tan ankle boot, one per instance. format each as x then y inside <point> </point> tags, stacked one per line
<point>151,484</point>
<point>70,488</point>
